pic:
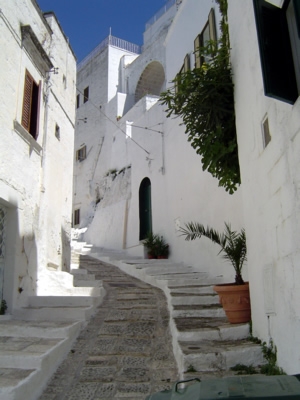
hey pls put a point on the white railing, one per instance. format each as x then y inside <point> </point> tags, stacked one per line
<point>161,12</point>
<point>113,41</point>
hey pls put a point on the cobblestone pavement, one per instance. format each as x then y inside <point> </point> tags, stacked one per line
<point>125,352</point>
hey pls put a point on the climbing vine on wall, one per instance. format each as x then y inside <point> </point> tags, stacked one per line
<point>203,98</point>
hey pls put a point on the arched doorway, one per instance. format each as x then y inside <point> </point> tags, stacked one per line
<point>145,208</point>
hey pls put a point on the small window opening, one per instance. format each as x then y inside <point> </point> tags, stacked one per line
<point>57,132</point>
<point>266,132</point>
<point>30,111</point>
<point>208,33</point>
<point>86,94</point>
<point>64,82</point>
<point>81,154</point>
<point>77,101</point>
<point>76,217</point>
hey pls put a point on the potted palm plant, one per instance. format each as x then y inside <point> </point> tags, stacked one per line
<point>234,297</point>
<point>150,243</point>
<point>161,248</point>
<point>156,246</point>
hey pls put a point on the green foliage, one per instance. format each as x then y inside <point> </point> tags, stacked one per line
<point>270,354</point>
<point>156,245</point>
<point>204,100</point>
<point>242,369</point>
<point>232,243</point>
<point>270,368</point>
<point>3,307</point>
<point>190,368</point>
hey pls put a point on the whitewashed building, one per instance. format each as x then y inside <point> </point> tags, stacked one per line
<point>37,114</point>
<point>266,65</point>
<point>130,157</point>
<point>134,168</point>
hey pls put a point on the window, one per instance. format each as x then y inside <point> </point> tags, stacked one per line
<point>57,132</point>
<point>208,33</point>
<point>266,132</point>
<point>81,154</point>
<point>86,94</point>
<point>64,82</point>
<point>186,67</point>
<point>30,111</point>
<point>78,101</point>
<point>278,60</point>
<point>76,217</point>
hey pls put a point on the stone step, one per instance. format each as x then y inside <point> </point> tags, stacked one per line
<point>30,352</point>
<point>12,382</point>
<point>83,277</point>
<point>193,311</point>
<point>188,290</point>
<point>191,300</point>
<point>21,352</point>
<point>86,283</point>
<point>193,276</point>
<point>85,291</point>
<point>62,313</point>
<point>63,301</point>
<point>170,269</point>
<point>42,329</point>
<point>78,271</point>
<point>193,329</point>
<point>209,355</point>
<point>179,282</point>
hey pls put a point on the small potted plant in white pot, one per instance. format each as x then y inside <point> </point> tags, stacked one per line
<point>234,297</point>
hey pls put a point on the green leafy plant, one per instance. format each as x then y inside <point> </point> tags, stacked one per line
<point>242,369</point>
<point>232,243</point>
<point>270,368</point>
<point>203,98</point>
<point>161,248</point>
<point>270,354</point>
<point>191,369</point>
<point>149,243</point>
<point>156,245</point>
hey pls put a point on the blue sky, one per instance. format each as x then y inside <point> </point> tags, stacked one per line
<point>87,23</point>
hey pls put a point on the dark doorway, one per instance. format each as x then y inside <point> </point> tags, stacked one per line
<point>145,208</point>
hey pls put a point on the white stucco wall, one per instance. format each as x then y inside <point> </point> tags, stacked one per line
<point>96,133</point>
<point>35,175</point>
<point>270,193</point>
<point>180,190</point>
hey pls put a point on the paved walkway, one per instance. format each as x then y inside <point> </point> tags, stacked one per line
<point>125,352</point>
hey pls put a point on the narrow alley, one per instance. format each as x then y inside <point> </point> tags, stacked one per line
<point>125,351</point>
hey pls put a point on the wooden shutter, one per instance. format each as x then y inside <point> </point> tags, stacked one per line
<point>212,25</point>
<point>197,45</point>
<point>83,153</point>
<point>36,132</point>
<point>187,65</point>
<point>275,52</point>
<point>26,112</point>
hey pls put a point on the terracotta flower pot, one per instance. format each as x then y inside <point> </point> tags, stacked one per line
<point>235,300</point>
<point>151,256</point>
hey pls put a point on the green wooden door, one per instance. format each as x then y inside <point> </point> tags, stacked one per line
<point>2,247</point>
<point>145,208</point>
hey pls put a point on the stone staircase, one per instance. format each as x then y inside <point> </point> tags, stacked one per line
<point>36,338</point>
<point>204,343</point>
